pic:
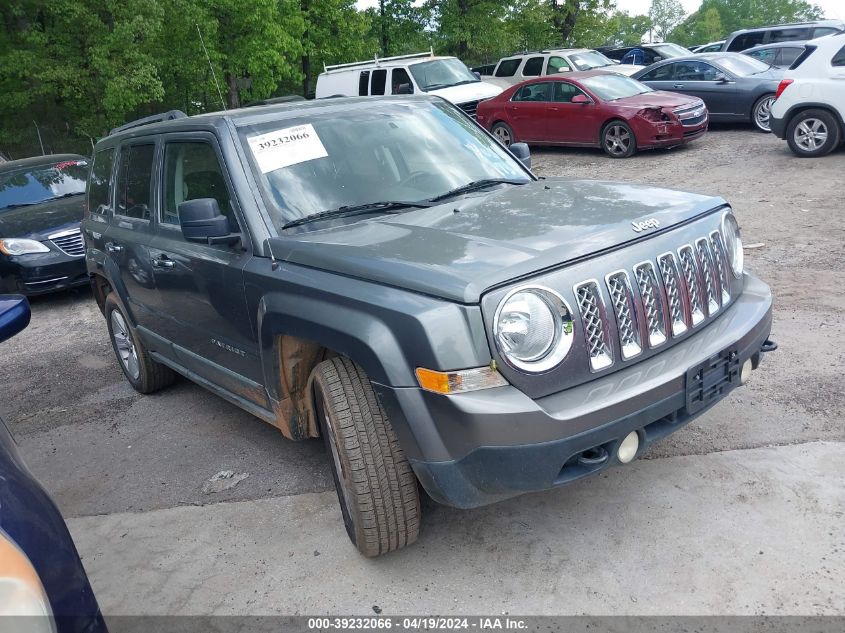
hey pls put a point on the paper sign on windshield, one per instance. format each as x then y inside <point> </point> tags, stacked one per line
<point>286,147</point>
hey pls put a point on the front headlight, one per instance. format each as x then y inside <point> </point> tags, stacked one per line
<point>733,243</point>
<point>18,246</point>
<point>21,591</point>
<point>533,329</point>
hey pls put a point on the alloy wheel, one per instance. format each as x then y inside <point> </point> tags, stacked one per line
<point>811,134</point>
<point>503,135</point>
<point>617,140</point>
<point>125,345</point>
<point>763,114</point>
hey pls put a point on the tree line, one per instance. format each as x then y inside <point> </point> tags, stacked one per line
<point>71,70</point>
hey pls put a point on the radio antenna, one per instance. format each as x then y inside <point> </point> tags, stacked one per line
<point>213,74</point>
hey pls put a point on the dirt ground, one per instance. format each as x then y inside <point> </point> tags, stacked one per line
<point>101,449</point>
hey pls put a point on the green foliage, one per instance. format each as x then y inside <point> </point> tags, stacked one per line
<point>665,15</point>
<point>624,29</point>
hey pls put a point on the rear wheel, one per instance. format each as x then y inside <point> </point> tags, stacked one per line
<point>375,485</point>
<point>813,133</point>
<point>618,140</point>
<point>142,372</point>
<point>761,113</point>
<point>503,133</point>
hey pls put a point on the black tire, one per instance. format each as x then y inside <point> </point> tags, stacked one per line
<point>503,133</point>
<point>144,374</point>
<point>761,113</point>
<point>804,133</point>
<point>376,487</point>
<point>618,140</point>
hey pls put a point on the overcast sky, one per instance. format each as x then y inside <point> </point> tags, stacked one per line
<point>832,8</point>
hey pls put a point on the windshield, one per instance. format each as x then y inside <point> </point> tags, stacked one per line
<point>611,87</point>
<point>671,50</point>
<point>441,73</point>
<point>388,151</point>
<point>31,185</point>
<point>742,65</point>
<point>589,60</point>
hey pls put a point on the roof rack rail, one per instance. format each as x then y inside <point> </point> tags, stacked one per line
<point>378,60</point>
<point>155,118</point>
<point>275,100</point>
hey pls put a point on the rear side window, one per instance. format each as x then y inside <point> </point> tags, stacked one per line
<point>788,56</point>
<point>825,30</point>
<point>100,181</point>
<point>507,68</point>
<point>746,40</point>
<point>839,58</point>
<point>533,67</point>
<point>664,73</point>
<point>192,171</point>
<point>363,83</point>
<point>789,35</point>
<point>533,92</point>
<point>765,55</point>
<point>379,81</point>
<point>134,181</point>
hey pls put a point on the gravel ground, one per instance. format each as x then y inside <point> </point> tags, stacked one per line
<point>100,448</point>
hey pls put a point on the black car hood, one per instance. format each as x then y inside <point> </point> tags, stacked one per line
<point>40,220</point>
<point>459,249</point>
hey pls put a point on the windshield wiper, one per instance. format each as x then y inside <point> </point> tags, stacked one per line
<point>475,185</point>
<point>387,206</point>
<point>18,205</point>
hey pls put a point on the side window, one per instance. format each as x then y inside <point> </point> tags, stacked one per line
<point>533,92</point>
<point>100,181</point>
<point>134,180</point>
<point>766,55</point>
<point>822,31</point>
<point>564,91</point>
<point>746,40</point>
<point>379,81</point>
<point>363,83</point>
<point>789,35</point>
<point>839,58</point>
<point>663,73</point>
<point>557,65</point>
<point>533,67</point>
<point>694,71</point>
<point>507,67</point>
<point>191,171</point>
<point>788,55</point>
<point>400,82</point>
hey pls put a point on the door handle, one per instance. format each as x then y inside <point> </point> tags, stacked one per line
<point>679,85</point>
<point>114,248</point>
<point>163,262</point>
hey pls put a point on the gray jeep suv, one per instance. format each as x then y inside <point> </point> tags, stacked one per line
<point>387,276</point>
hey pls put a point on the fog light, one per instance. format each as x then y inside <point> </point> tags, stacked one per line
<point>627,450</point>
<point>745,374</point>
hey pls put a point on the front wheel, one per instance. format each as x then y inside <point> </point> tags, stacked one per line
<point>812,133</point>
<point>503,133</point>
<point>375,485</point>
<point>761,113</point>
<point>618,140</point>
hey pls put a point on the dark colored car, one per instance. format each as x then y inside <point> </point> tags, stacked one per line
<point>645,54</point>
<point>386,275</point>
<point>593,109</point>
<point>780,55</point>
<point>41,205</point>
<point>797,32</point>
<point>40,571</point>
<point>734,87</point>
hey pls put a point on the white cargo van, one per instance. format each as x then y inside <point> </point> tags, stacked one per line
<point>447,77</point>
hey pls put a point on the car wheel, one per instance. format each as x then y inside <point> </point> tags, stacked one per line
<point>761,113</point>
<point>812,133</point>
<point>618,140</point>
<point>503,133</point>
<point>142,372</point>
<point>375,485</point>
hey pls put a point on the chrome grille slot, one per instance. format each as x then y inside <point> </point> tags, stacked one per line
<point>69,242</point>
<point>721,265</point>
<point>708,274</point>
<point>672,283</point>
<point>622,300</point>
<point>655,315</point>
<point>594,318</point>
<point>470,107</point>
<point>690,271</point>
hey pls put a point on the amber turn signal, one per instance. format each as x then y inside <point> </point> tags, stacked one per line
<point>459,381</point>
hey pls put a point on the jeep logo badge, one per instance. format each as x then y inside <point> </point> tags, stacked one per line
<point>644,225</point>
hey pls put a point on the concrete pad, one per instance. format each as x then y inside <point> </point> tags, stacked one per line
<point>756,531</point>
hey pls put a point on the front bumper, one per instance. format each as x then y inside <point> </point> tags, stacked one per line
<point>671,135</point>
<point>40,273</point>
<point>476,448</point>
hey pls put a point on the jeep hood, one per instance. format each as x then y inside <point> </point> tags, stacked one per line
<point>459,249</point>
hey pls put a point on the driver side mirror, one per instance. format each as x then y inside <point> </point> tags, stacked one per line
<point>722,78</point>
<point>582,99</point>
<point>14,315</point>
<point>477,74</point>
<point>522,152</point>
<point>201,221</point>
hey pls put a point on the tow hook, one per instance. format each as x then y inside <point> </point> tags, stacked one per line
<point>768,346</point>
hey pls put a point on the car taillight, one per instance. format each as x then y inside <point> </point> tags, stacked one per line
<point>782,86</point>
<point>655,115</point>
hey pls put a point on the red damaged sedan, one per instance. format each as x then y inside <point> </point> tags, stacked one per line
<point>593,109</point>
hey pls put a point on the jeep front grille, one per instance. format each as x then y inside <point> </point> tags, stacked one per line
<point>591,306</point>
<point>668,296</point>
<point>69,242</point>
